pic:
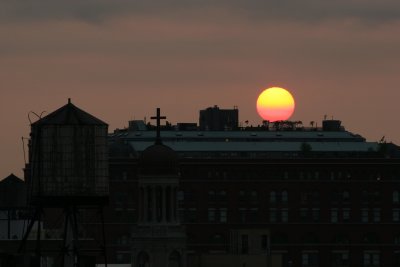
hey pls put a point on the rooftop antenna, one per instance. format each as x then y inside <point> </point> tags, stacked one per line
<point>37,115</point>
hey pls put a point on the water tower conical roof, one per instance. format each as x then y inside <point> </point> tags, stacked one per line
<point>69,114</point>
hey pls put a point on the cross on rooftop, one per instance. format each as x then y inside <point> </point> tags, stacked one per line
<point>158,117</point>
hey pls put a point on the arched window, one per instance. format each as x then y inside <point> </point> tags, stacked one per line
<point>143,259</point>
<point>174,259</point>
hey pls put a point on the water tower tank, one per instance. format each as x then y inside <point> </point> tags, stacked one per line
<point>68,158</point>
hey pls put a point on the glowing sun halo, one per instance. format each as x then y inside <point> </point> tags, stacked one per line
<point>275,104</point>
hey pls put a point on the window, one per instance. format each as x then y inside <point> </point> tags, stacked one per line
<point>315,197</point>
<point>309,259</point>
<point>364,215</point>
<point>120,257</point>
<point>211,215</point>
<point>190,215</point>
<point>272,215</point>
<point>143,259</point>
<point>395,197</point>
<point>222,195</point>
<point>189,196</point>
<point>284,197</point>
<point>264,242</point>
<point>397,239</point>
<point>304,197</point>
<point>340,239</point>
<point>121,199</point>
<point>3,214</point>
<point>346,215</point>
<point>376,197</point>
<point>254,195</point>
<point>310,238</point>
<point>181,195</point>
<point>334,215</point>
<point>245,244</point>
<point>218,239</point>
<point>253,215</point>
<point>371,259</point>
<point>223,215</point>
<point>174,259</point>
<point>340,259</point>
<point>284,215</point>
<point>304,214</point>
<point>377,215</point>
<point>396,215</point>
<point>211,195</point>
<point>370,238</point>
<point>272,197</point>
<point>365,197</point>
<point>279,238</point>
<point>345,196</point>
<point>124,240</point>
<point>242,195</point>
<point>315,214</point>
<point>396,258</point>
<point>242,215</point>
<point>285,175</point>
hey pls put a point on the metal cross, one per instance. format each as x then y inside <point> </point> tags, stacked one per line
<point>158,117</point>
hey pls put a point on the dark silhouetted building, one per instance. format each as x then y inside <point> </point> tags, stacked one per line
<point>216,119</point>
<point>274,195</point>
<point>265,197</point>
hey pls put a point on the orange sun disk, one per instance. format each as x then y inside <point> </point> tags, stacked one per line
<point>275,104</point>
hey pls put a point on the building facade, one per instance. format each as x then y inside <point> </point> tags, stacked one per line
<point>266,197</point>
<point>278,195</point>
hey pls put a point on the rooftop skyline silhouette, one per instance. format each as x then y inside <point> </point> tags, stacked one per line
<point>120,60</point>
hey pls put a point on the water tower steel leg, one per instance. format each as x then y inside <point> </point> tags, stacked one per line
<point>28,230</point>
<point>65,248</point>
<point>38,237</point>
<point>104,236</point>
<point>9,224</point>
<point>74,223</point>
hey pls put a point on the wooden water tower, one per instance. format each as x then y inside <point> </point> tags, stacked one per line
<point>68,169</point>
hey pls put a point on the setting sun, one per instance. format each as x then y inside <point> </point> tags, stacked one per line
<point>275,104</point>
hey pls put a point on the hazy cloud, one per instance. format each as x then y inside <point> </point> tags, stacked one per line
<point>119,59</point>
<point>100,10</point>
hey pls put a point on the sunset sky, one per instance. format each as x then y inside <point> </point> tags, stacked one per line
<point>121,59</point>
